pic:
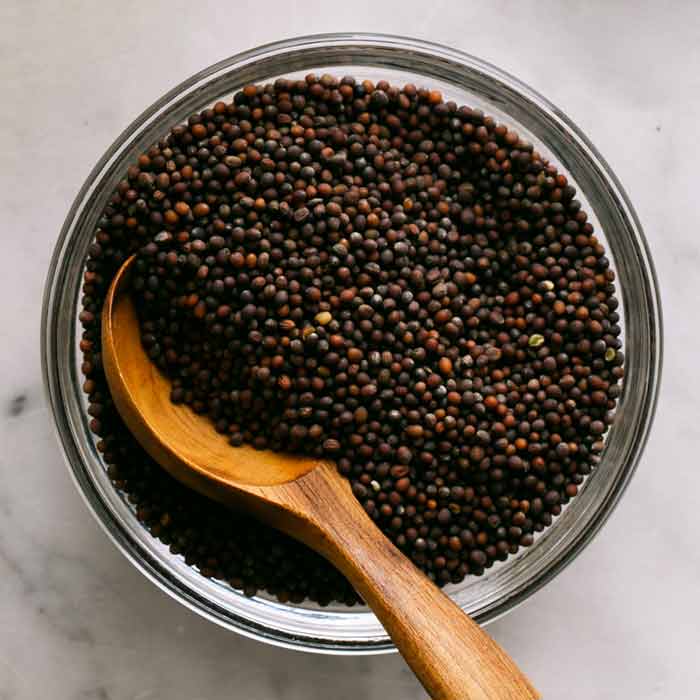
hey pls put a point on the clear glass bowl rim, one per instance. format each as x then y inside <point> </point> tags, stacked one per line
<point>62,288</point>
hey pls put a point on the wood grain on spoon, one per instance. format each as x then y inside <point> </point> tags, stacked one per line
<point>450,654</point>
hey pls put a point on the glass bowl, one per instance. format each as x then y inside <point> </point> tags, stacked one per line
<point>466,80</point>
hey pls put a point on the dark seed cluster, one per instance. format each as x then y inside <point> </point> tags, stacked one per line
<point>374,275</point>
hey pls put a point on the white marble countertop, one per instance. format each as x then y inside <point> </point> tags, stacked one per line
<point>76,620</point>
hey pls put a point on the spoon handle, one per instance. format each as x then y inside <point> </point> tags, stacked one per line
<point>450,654</point>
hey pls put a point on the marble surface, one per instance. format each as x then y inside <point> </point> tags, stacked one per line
<point>76,620</point>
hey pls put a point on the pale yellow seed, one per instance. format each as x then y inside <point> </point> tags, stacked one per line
<point>323,318</point>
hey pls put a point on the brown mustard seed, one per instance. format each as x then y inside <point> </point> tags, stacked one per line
<point>369,274</point>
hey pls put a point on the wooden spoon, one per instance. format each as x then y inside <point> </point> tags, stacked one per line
<point>450,654</point>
